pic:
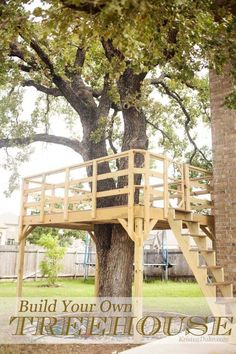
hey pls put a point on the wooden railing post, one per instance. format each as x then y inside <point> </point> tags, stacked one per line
<point>42,198</point>
<point>66,194</point>
<point>52,200</point>
<point>21,239</point>
<point>138,275</point>
<point>166,186</point>
<point>131,192</point>
<point>24,198</point>
<point>182,189</point>
<point>94,190</point>
<point>146,193</point>
<point>186,187</point>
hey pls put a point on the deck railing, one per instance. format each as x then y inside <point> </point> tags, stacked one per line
<point>138,177</point>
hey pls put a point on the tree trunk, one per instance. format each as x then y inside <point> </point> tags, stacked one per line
<point>224,168</point>
<point>115,251</point>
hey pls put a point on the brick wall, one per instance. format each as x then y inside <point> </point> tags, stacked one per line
<point>224,160</point>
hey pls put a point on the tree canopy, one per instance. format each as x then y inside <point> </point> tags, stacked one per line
<point>105,65</point>
<point>84,52</point>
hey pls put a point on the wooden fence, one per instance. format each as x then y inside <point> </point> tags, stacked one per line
<point>72,264</point>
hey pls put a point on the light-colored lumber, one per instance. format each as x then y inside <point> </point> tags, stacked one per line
<point>66,194</point>
<point>131,194</point>
<point>76,195</point>
<point>42,197</point>
<point>94,189</point>
<point>166,187</point>
<point>146,193</point>
<point>112,192</point>
<point>187,187</point>
<point>138,267</point>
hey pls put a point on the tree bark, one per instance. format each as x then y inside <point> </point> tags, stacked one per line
<point>115,251</point>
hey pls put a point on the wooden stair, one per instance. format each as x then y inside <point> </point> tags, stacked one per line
<point>202,259</point>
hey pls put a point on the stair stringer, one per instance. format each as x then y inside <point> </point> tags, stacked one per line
<point>192,259</point>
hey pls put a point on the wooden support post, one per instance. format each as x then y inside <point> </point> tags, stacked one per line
<point>66,194</point>
<point>165,183</point>
<point>94,190</point>
<point>23,233</point>
<point>186,187</point>
<point>131,193</point>
<point>147,193</point>
<point>138,257</point>
<point>20,273</point>
<point>42,198</point>
<point>21,239</point>
<point>138,273</point>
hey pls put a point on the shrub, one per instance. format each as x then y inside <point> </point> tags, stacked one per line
<point>50,265</point>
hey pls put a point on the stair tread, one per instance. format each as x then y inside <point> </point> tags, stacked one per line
<point>183,210</point>
<point>210,267</point>
<point>224,283</point>
<point>201,250</point>
<point>194,235</point>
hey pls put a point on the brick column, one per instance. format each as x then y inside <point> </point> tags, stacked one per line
<point>224,161</point>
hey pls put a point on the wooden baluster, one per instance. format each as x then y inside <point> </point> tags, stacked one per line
<point>42,198</point>
<point>94,190</point>
<point>187,187</point>
<point>180,188</point>
<point>166,186</point>
<point>147,194</point>
<point>131,193</point>
<point>66,194</point>
<point>52,199</point>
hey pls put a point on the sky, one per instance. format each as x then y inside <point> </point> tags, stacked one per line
<point>50,156</point>
<point>45,157</point>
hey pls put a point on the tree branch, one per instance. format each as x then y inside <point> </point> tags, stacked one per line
<point>78,95</point>
<point>74,71</point>
<point>43,56</point>
<point>53,91</point>
<point>80,57</point>
<point>155,126</point>
<point>88,7</point>
<point>105,101</point>
<point>109,138</point>
<point>17,52</point>
<point>110,50</point>
<point>179,100</point>
<point>48,138</point>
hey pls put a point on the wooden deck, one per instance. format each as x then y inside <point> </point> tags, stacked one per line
<point>142,191</point>
<point>82,219</point>
<point>149,184</point>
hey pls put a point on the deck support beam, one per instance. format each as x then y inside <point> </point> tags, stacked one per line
<point>24,232</point>
<point>20,273</point>
<point>138,273</point>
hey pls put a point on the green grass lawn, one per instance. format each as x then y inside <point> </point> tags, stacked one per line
<point>81,288</point>
<point>181,297</point>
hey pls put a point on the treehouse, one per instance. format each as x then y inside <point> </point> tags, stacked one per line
<point>141,190</point>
